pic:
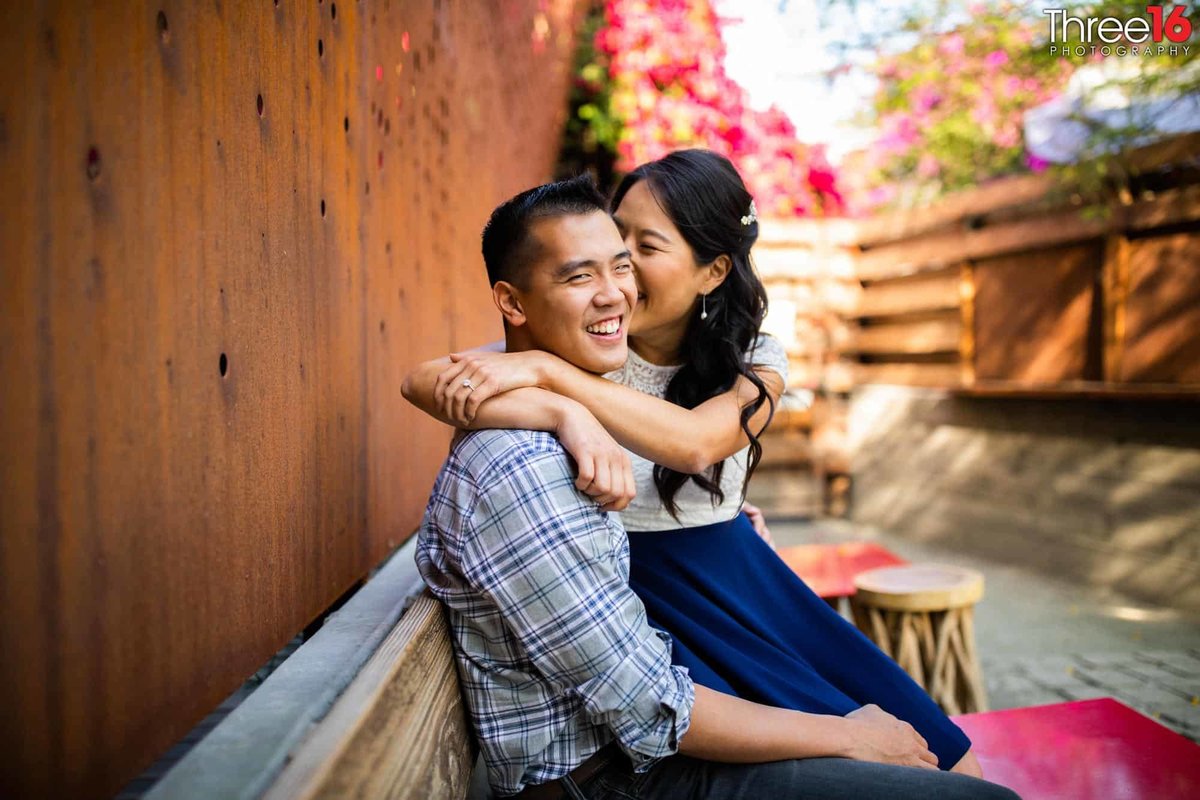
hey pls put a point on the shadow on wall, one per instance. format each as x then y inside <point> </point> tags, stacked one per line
<point>1106,492</point>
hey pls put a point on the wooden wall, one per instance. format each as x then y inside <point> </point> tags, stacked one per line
<point>230,230</point>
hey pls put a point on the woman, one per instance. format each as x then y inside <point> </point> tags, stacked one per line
<point>699,386</point>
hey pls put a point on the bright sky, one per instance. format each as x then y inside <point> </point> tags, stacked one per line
<point>779,53</point>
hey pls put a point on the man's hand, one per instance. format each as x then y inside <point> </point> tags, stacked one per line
<point>473,377</point>
<point>605,471</point>
<point>759,522</point>
<point>878,736</point>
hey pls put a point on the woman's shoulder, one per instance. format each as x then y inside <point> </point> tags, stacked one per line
<point>768,352</point>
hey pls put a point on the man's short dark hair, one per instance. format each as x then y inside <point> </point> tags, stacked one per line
<point>508,247</point>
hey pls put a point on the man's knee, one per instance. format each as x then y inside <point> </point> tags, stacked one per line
<point>995,791</point>
<point>860,780</point>
<point>831,778</point>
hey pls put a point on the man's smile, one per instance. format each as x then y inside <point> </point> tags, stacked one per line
<point>607,328</point>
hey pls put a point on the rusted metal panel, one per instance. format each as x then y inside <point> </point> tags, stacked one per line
<point>208,307</point>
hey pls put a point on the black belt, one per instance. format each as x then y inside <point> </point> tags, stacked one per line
<point>554,789</point>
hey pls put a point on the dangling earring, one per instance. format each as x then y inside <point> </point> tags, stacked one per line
<point>703,306</point>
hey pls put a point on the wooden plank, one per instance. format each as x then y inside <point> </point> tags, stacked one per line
<point>934,375</point>
<point>930,292</point>
<point>798,263</point>
<point>939,251</point>
<point>1176,150</point>
<point>791,419</point>
<point>941,335</point>
<point>1161,342</point>
<point>1082,390</point>
<point>1115,286</point>
<point>1166,208</point>
<point>1037,233</point>
<point>1032,315</point>
<point>399,730</point>
<point>966,345</point>
<point>785,449</point>
<point>1003,193</point>
<point>805,232</point>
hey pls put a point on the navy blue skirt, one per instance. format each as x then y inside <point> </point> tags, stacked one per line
<point>743,623</point>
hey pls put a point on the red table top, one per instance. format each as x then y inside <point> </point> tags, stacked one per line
<point>830,569</point>
<point>1087,750</point>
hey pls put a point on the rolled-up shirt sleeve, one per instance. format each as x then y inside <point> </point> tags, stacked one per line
<point>556,569</point>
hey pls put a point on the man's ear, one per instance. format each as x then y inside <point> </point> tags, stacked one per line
<point>507,299</point>
<point>718,271</point>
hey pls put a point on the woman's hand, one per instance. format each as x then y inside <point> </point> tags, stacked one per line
<point>473,377</point>
<point>605,471</point>
<point>878,736</point>
<point>759,522</point>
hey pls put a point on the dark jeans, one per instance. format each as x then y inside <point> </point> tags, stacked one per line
<point>825,778</point>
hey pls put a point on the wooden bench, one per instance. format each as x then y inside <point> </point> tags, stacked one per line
<point>399,730</point>
<point>1082,751</point>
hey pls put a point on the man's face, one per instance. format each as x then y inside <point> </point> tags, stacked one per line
<point>579,292</point>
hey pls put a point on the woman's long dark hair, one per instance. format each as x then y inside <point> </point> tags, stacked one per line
<point>705,198</point>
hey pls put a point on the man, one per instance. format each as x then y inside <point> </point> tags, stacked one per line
<point>570,691</point>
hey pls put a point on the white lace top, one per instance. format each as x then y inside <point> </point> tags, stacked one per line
<point>696,506</point>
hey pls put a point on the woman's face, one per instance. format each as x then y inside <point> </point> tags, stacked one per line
<point>669,282</point>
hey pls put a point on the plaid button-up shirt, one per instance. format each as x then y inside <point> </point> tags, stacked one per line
<point>554,653</point>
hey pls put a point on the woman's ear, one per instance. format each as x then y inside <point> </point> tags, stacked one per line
<point>507,299</point>
<point>717,271</point>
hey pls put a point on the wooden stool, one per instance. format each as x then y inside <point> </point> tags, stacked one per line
<point>923,617</point>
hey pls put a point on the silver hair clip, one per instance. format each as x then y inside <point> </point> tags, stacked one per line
<point>752,216</point>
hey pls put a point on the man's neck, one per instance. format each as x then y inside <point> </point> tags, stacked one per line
<point>516,340</point>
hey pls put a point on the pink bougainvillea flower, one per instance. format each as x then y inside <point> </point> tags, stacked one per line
<point>1007,137</point>
<point>952,45</point>
<point>934,134</point>
<point>669,89</point>
<point>927,165</point>
<point>925,98</point>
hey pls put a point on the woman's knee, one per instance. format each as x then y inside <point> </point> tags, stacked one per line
<point>968,765</point>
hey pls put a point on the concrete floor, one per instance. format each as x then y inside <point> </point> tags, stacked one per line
<point>1043,640</point>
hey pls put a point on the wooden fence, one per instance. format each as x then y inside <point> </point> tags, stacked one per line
<point>231,228</point>
<point>1019,286</point>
